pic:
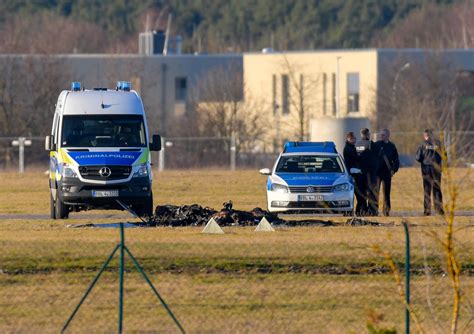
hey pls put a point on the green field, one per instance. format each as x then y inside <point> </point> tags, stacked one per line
<point>306,279</point>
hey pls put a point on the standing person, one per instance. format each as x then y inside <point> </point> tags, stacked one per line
<point>388,165</point>
<point>351,160</point>
<point>367,160</point>
<point>429,155</point>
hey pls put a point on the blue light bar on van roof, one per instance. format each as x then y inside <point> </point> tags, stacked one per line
<point>126,86</point>
<point>76,86</point>
<point>308,146</point>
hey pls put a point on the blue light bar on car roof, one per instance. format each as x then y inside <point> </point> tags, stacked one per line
<point>307,146</point>
<point>126,86</point>
<point>76,86</point>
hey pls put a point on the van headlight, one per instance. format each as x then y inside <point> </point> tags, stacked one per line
<point>67,171</point>
<point>279,188</point>
<point>341,187</point>
<point>142,171</point>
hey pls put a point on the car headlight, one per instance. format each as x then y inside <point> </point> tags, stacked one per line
<point>279,188</point>
<point>67,171</point>
<point>342,187</point>
<point>142,171</point>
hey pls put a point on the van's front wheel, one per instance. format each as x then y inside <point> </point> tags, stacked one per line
<point>61,209</point>
<point>146,209</point>
<point>52,207</point>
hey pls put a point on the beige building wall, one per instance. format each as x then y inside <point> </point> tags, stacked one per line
<point>312,82</point>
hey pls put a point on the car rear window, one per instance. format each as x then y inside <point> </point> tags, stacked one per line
<point>309,164</point>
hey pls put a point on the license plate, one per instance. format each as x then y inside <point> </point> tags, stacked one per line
<point>311,198</point>
<point>105,193</point>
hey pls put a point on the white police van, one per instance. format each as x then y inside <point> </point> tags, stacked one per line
<point>309,177</point>
<point>99,151</point>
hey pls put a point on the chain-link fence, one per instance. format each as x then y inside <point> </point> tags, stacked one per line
<point>308,279</point>
<point>213,152</point>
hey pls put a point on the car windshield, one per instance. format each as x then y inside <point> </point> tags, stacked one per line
<point>103,131</point>
<point>309,164</point>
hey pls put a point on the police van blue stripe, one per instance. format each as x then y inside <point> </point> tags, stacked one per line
<point>105,158</point>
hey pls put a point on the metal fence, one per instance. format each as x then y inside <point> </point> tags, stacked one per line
<point>212,152</point>
<point>176,153</point>
<point>293,280</point>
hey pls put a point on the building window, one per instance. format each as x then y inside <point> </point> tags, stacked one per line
<point>181,89</point>
<point>324,78</point>
<point>353,91</point>
<point>274,92</point>
<point>333,93</point>
<point>285,94</point>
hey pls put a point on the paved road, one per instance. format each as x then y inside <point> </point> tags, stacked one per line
<point>122,216</point>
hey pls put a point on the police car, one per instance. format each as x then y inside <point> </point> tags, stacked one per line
<point>309,177</point>
<point>99,151</point>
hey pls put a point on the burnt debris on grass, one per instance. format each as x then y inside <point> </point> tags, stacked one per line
<point>196,215</point>
<point>359,221</point>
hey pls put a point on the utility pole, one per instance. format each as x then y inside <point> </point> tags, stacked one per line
<point>21,142</point>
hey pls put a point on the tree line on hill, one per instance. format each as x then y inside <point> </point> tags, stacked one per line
<point>207,26</point>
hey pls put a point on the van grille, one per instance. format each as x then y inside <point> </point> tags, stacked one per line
<point>317,189</point>
<point>116,172</point>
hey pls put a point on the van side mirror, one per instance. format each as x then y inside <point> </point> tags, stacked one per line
<point>265,171</point>
<point>155,144</point>
<point>49,143</point>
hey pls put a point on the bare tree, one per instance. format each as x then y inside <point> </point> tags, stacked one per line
<point>225,108</point>
<point>433,26</point>
<point>431,93</point>
<point>302,95</point>
<point>29,87</point>
<point>46,33</point>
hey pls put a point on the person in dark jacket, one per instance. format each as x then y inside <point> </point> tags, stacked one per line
<point>351,161</point>
<point>367,160</point>
<point>350,153</point>
<point>388,165</point>
<point>430,155</point>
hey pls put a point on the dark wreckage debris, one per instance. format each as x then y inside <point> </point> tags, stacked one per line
<point>196,215</point>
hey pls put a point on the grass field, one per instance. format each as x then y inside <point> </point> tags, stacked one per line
<point>28,193</point>
<point>307,279</point>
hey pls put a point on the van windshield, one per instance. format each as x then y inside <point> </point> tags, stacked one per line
<point>103,131</point>
<point>309,164</point>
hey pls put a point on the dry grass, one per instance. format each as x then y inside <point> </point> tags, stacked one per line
<point>216,303</point>
<point>323,279</point>
<point>28,193</point>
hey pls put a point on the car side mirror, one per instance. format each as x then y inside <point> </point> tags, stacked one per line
<point>49,143</point>
<point>355,171</point>
<point>155,144</point>
<point>265,171</point>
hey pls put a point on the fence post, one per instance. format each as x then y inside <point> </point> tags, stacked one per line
<point>121,270</point>
<point>407,277</point>
<point>161,156</point>
<point>232,152</point>
<point>21,142</point>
